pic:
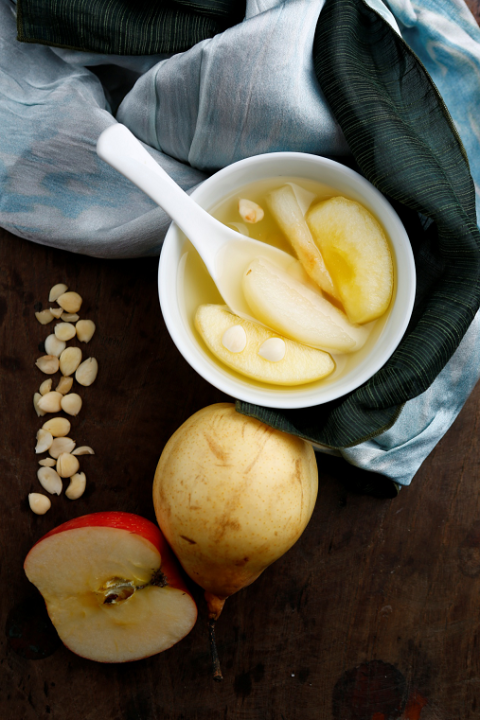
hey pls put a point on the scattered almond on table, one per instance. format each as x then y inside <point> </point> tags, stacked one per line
<point>52,437</point>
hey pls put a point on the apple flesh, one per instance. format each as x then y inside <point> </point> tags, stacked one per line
<point>112,587</point>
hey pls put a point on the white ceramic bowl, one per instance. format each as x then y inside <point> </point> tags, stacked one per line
<point>352,371</point>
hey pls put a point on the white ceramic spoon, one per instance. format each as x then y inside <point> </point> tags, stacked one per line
<point>225,252</point>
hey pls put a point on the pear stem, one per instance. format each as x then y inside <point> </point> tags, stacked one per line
<point>217,670</point>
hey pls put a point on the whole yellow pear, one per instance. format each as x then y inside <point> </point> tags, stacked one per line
<point>232,495</point>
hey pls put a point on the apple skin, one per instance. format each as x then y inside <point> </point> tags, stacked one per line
<point>135,524</point>
<point>148,531</point>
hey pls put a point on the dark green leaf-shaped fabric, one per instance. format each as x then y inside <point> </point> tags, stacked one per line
<point>403,141</point>
<point>125,27</point>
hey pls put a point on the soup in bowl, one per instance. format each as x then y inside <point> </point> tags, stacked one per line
<point>254,196</point>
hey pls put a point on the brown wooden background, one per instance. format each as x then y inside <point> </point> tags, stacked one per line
<point>373,615</point>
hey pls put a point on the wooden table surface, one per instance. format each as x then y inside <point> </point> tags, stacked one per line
<point>373,615</point>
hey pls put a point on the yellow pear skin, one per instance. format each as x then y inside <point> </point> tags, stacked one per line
<point>232,495</point>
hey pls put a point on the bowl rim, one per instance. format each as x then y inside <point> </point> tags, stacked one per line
<point>299,396</point>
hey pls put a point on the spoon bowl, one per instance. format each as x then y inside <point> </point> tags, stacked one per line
<point>225,252</point>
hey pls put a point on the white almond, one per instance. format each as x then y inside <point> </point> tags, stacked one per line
<point>235,339</point>
<point>51,402</point>
<point>87,372</point>
<point>71,302</point>
<point>70,317</point>
<point>58,426</point>
<point>44,441</point>
<point>250,211</point>
<point>65,331</point>
<point>85,330</point>
<point>54,346</point>
<point>67,465</point>
<point>61,445</point>
<point>56,312</point>
<point>48,364</point>
<point>65,385</point>
<point>70,359</point>
<point>56,291</point>
<point>71,403</point>
<point>47,462</point>
<point>273,349</point>
<point>77,486</point>
<point>45,387</point>
<point>50,480</point>
<point>39,504</point>
<point>83,450</point>
<point>44,317</point>
<point>36,399</point>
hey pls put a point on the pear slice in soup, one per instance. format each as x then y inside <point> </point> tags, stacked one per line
<point>356,253</point>
<point>297,311</point>
<point>255,351</point>
<point>287,212</point>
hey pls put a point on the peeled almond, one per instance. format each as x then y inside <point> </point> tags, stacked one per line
<point>44,317</point>
<point>70,359</point>
<point>250,211</point>
<point>56,312</point>
<point>50,480</point>
<point>71,302</point>
<point>65,385</point>
<point>87,372</point>
<point>77,486</point>
<point>54,346</point>
<point>45,387</point>
<point>65,331</point>
<point>39,504</point>
<point>36,398</point>
<point>67,465</point>
<point>58,426</point>
<point>71,403</point>
<point>56,291</point>
<point>83,450</point>
<point>61,445</point>
<point>51,402</point>
<point>47,462</point>
<point>85,330</point>
<point>44,441</point>
<point>48,364</point>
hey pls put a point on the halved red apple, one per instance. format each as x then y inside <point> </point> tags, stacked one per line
<point>112,587</point>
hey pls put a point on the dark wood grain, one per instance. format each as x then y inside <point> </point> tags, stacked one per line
<point>372,615</point>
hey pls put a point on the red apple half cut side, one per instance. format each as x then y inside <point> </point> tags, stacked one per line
<point>112,587</point>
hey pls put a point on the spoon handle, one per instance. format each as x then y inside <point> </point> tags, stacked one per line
<point>121,149</point>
